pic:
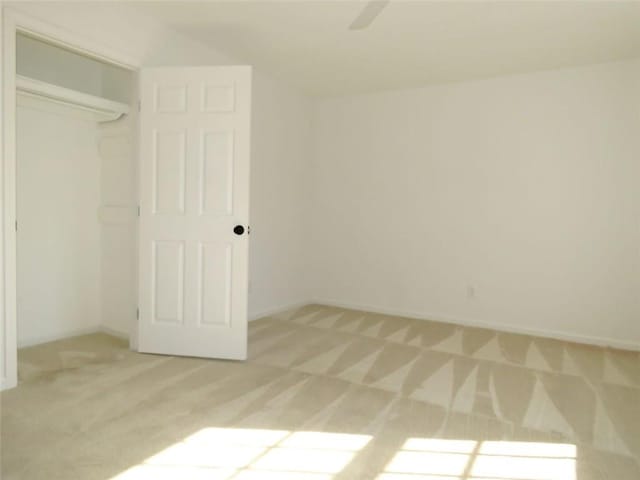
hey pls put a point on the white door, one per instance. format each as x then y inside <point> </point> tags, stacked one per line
<point>194,210</point>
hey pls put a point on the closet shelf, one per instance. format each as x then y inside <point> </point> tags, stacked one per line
<point>103,109</point>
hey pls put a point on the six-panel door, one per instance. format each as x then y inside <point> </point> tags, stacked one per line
<point>194,187</point>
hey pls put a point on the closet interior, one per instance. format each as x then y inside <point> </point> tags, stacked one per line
<point>76,194</point>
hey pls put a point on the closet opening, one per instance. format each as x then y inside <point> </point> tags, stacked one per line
<point>76,194</point>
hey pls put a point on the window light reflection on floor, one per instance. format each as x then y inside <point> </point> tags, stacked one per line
<point>251,454</point>
<point>254,454</point>
<point>433,459</point>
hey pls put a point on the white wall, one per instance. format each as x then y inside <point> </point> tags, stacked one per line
<point>58,235</point>
<point>279,196</point>
<point>512,202</point>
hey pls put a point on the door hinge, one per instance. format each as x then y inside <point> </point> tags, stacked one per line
<point>16,225</point>
<point>138,210</point>
<point>139,105</point>
<point>137,314</point>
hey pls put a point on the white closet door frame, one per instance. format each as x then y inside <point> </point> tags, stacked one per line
<point>13,22</point>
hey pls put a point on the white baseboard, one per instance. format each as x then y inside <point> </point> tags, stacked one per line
<point>30,342</point>
<point>555,334</point>
<point>113,332</point>
<point>72,333</point>
<point>282,308</point>
<point>5,384</point>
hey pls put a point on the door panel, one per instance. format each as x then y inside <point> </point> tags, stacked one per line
<point>217,172</point>
<point>215,262</point>
<point>168,282</point>
<point>194,178</point>
<point>169,158</point>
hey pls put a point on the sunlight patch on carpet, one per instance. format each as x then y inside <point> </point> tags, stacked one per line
<point>251,454</point>
<point>436,459</point>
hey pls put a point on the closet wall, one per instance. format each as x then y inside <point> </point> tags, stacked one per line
<point>116,143</point>
<point>58,236</point>
<point>76,202</point>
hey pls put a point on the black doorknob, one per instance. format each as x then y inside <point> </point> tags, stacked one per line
<point>238,229</point>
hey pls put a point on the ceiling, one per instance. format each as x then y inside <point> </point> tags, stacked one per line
<point>411,43</point>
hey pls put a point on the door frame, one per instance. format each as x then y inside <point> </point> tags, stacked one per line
<point>13,22</point>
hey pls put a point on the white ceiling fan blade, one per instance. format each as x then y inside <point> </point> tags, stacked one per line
<point>369,13</point>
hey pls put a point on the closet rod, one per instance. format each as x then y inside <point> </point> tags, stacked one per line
<point>106,110</point>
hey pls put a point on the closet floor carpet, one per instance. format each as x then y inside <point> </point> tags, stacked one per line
<point>328,394</point>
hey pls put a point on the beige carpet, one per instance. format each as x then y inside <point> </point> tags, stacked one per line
<point>328,394</point>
